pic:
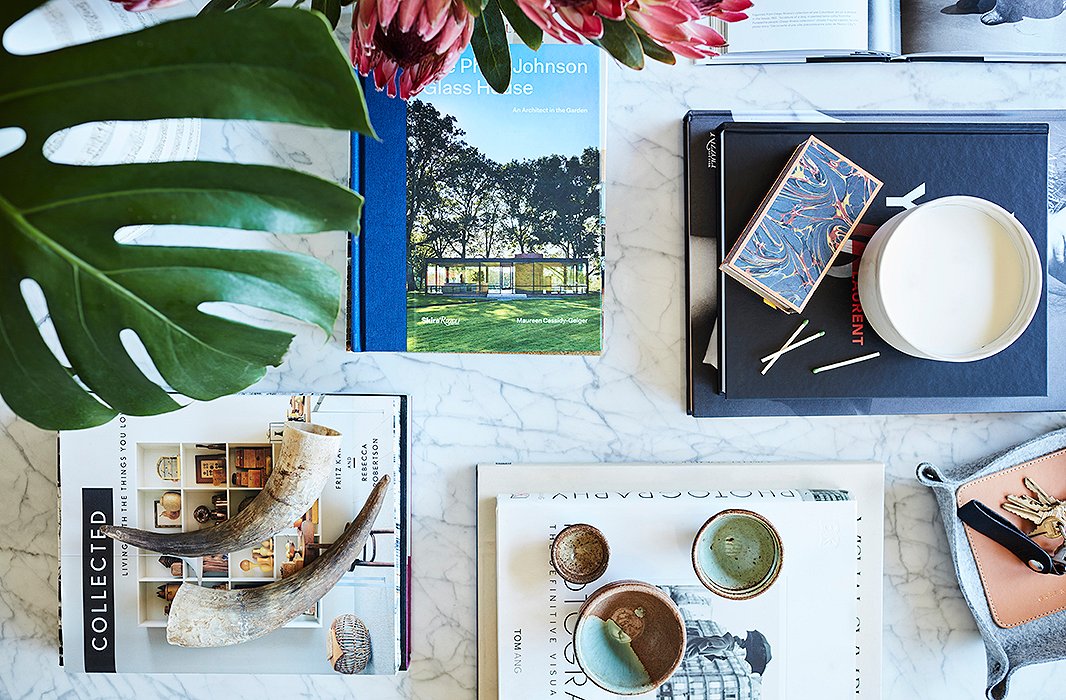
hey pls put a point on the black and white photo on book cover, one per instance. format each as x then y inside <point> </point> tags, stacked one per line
<point>983,27</point>
<point>724,657</point>
<point>781,30</point>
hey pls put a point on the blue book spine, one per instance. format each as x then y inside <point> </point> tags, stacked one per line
<point>355,294</point>
<point>379,254</point>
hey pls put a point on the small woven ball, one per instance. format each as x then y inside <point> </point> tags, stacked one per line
<point>349,643</point>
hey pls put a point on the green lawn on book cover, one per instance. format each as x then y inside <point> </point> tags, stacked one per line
<point>438,323</point>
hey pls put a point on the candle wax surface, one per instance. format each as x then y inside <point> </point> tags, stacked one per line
<point>952,279</point>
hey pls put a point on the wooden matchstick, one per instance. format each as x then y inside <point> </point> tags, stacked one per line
<point>795,345</point>
<point>845,363</point>
<point>781,352</point>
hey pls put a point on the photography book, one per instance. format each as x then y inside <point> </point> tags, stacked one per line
<point>899,154</point>
<point>982,30</point>
<point>514,574</point>
<point>483,221</point>
<point>702,211</point>
<point>189,469</point>
<point>795,638</point>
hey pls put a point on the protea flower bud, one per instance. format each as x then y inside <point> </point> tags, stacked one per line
<point>676,25</point>
<point>142,5</point>
<point>570,20</point>
<point>408,44</point>
<point>727,10</point>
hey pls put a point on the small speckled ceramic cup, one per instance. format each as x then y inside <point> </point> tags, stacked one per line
<point>629,638</point>
<point>580,553</point>
<point>737,554</point>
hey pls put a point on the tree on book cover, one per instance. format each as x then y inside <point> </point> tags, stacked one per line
<point>504,223</point>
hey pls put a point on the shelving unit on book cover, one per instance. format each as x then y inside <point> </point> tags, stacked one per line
<point>210,483</point>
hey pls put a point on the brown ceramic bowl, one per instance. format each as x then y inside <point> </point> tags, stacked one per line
<point>580,553</point>
<point>629,638</point>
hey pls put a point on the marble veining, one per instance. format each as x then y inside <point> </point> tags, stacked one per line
<point>625,405</point>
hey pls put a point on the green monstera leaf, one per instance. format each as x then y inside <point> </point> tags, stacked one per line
<point>57,222</point>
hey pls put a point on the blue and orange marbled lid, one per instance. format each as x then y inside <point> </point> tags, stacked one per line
<point>802,224</point>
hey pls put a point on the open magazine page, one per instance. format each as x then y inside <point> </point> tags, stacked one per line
<point>987,28</point>
<point>814,27</point>
<point>884,27</point>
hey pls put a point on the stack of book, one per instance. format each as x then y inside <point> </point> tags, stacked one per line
<point>731,164</point>
<point>799,636</point>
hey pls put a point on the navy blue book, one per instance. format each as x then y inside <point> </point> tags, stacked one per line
<point>704,223</point>
<point>483,224</point>
<point>377,272</point>
<point>935,159</point>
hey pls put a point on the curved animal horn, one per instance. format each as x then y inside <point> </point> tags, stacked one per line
<point>306,458</point>
<point>206,617</point>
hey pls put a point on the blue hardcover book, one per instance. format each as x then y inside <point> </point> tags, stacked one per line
<point>483,221</point>
<point>1033,379</point>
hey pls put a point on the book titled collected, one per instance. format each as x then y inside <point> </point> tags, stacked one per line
<point>801,226</point>
<point>188,470</point>
<point>483,223</point>
<point>796,638</point>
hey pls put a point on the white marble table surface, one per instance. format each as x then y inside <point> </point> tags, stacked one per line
<point>625,405</point>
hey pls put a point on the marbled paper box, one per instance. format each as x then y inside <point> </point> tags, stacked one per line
<point>801,225</point>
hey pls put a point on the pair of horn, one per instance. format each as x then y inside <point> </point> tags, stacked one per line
<point>206,617</point>
<point>299,474</point>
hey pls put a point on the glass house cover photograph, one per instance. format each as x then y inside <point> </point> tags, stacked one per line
<point>524,275</point>
<point>504,211</point>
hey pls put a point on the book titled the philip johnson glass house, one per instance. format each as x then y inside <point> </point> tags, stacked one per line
<point>502,218</point>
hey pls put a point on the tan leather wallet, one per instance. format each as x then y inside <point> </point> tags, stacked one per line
<point>1015,593</point>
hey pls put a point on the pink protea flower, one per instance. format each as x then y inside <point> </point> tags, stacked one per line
<point>142,5</point>
<point>677,25</point>
<point>726,10</point>
<point>408,44</point>
<point>570,20</point>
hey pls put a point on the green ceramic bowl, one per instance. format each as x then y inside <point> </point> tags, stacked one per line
<point>737,554</point>
<point>629,638</point>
